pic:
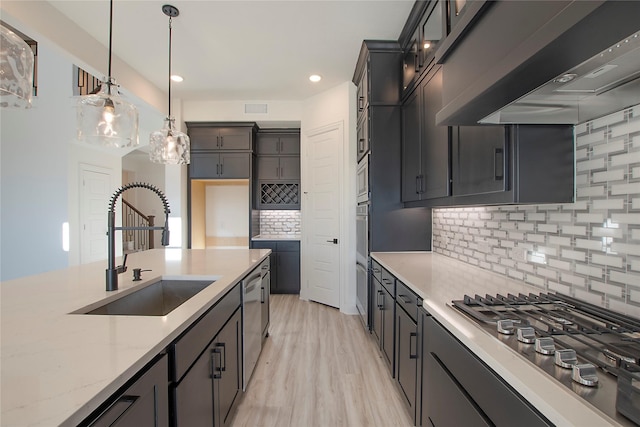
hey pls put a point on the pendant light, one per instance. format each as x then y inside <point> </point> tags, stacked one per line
<point>169,145</point>
<point>16,70</point>
<point>105,118</point>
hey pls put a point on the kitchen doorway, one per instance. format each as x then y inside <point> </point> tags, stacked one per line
<point>95,187</point>
<point>321,212</point>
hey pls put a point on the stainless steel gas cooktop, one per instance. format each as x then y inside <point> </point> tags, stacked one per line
<point>593,351</point>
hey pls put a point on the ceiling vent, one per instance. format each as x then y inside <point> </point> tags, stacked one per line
<point>255,108</point>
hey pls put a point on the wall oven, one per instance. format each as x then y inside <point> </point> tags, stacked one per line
<point>362,180</point>
<point>362,262</point>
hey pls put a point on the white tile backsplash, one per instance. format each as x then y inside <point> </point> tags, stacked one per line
<point>592,246</point>
<point>280,222</point>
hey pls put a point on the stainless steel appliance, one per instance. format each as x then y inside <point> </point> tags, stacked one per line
<point>252,320</point>
<point>362,180</point>
<point>593,351</point>
<point>362,262</point>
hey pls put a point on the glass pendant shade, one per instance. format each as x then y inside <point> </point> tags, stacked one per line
<point>169,146</point>
<point>106,119</point>
<point>16,70</point>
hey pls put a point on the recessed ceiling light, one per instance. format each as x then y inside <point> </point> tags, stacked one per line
<point>315,78</point>
<point>176,78</point>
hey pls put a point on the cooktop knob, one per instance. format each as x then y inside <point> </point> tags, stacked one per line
<point>505,326</point>
<point>545,345</point>
<point>566,358</point>
<point>585,374</point>
<point>526,334</point>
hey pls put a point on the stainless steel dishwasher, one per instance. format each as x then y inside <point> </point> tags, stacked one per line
<point>252,320</point>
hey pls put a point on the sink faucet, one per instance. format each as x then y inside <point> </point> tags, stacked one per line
<point>113,271</point>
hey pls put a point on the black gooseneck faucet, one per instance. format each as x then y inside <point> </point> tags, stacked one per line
<point>113,271</point>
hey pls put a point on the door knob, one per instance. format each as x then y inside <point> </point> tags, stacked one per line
<point>334,241</point>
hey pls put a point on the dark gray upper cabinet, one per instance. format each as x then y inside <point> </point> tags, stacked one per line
<point>480,163</point>
<point>501,50</point>
<point>391,227</point>
<point>513,164</point>
<point>210,136</point>
<point>425,30</point>
<point>274,168</point>
<point>220,165</point>
<point>381,73</point>
<point>425,146</point>
<point>278,143</point>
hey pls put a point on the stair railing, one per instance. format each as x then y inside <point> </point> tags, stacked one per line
<point>141,240</point>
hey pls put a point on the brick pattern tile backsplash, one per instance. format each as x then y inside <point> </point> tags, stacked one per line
<point>280,222</point>
<point>589,249</point>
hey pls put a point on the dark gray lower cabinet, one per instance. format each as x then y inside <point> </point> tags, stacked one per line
<point>458,389</point>
<point>407,353</point>
<point>383,321</point>
<point>285,264</point>
<point>265,290</point>
<point>206,369</point>
<point>206,394</point>
<point>145,402</point>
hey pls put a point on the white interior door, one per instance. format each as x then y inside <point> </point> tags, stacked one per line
<point>322,215</point>
<point>95,187</point>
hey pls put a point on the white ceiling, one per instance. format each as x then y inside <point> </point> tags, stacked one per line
<point>242,50</point>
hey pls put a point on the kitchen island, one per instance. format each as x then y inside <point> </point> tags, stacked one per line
<point>438,280</point>
<point>58,367</point>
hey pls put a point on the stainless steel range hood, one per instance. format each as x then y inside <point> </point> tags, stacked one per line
<point>607,82</point>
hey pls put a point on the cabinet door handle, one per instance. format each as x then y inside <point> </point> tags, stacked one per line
<point>417,184</point>
<point>405,299</point>
<point>221,169</point>
<point>223,357</point>
<point>218,169</point>
<point>262,295</point>
<point>411,340</point>
<point>221,141</point>
<point>218,141</point>
<point>498,166</point>
<point>360,145</point>
<point>281,147</point>
<point>361,103</point>
<point>380,304</point>
<point>216,373</point>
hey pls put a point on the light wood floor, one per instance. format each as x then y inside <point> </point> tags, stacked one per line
<point>319,368</point>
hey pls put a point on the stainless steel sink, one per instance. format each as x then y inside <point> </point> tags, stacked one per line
<point>155,299</point>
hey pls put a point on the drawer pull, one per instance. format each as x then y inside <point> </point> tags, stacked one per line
<point>405,299</point>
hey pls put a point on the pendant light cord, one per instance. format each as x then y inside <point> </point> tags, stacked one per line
<point>110,42</point>
<point>169,66</point>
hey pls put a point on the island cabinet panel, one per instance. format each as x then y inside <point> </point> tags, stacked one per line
<point>206,372</point>
<point>459,389</point>
<point>144,402</point>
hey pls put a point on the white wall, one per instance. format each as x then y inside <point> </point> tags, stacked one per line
<point>279,113</point>
<point>227,210</point>
<point>40,158</point>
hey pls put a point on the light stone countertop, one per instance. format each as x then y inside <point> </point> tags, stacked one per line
<point>438,280</point>
<point>56,368</point>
